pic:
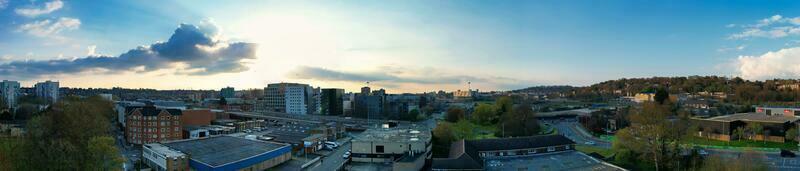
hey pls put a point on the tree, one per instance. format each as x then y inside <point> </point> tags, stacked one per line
<point>454,114</point>
<point>521,122</point>
<point>749,160</point>
<point>484,114</point>
<point>739,133</point>
<point>661,95</point>
<point>503,105</point>
<point>442,138</point>
<point>103,155</point>
<point>412,115</point>
<point>757,129</point>
<point>652,136</point>
<point>791,134</point>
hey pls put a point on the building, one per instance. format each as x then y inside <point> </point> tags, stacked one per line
<point>47,90</point>
<point>465,95</point>
<point>162,158</point>
<point>733,127</point>
<point>227,92</point>
<point>231,153</point>
<point>369,104</point>
<point>406,149</point>
<point>197,117</point>
<point>123,108</point>
<point>534,152</point>
<point>149,124</point>
<point>398,104</point>
<point>292,98</point>
<point>9,90</point>
<point>195,132</point>
<point>332,102</point>
<point>643,97</point>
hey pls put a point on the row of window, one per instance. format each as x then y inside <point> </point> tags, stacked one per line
<point>519,152</point>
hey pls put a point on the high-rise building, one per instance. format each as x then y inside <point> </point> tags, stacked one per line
<point>47,90</point>
<point>9,91</point>
<point>369,104</point>
<point>292,98</point>
<point>332,102</point>
<point>227,92</point>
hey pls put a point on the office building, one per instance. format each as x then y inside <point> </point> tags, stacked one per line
<point>405,149</point>
<point>292,98</point>
<point>332,101</point>
<point>162,158</point>
<point>9,90</point>
<point>47,90</point>
<point>369,104</point>
<point>227,92</point>
<point>149,124</point>
<point>218,153</point>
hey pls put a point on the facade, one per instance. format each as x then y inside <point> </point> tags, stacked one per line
<point>369,104</point>
<point>227,92</point>
<point>643,97</point>
<point>406,149</point>
<point>162,158</point>
<point>47,90</point>
<point>197,117</point>
<point>9,90</point>
<point>217,153</point>
<point>733,127</point>
<point>398,104</point>
<point>123,108</point>
<point>465,95</point>
<point>472,154</point>
<point>149,124</point>
<point>292,98</point>
<point>332,102</point>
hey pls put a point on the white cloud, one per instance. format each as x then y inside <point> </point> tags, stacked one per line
<point>3,4</point>
<point>92,50</point>
<point>48,28</point>
<point>727,49</point>
<point>48,8</point>
<point>784,63</point>
<point>730,25</point>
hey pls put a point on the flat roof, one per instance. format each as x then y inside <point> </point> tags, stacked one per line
<point>572,160</point>
<point>221,150</point>
<point>754,117</point>
<point>394,135</point>
<point>166,151</point>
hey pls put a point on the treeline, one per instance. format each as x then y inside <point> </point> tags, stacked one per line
<point>736,89</point>
<point>73,134</point>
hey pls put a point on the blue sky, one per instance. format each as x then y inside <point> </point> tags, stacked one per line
<point>403,46</point>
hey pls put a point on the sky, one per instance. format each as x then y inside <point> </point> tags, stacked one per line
<point>401,46</point>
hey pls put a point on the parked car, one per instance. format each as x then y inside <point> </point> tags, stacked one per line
<point>589,143</point>
<point>346,155</point>
<point>787,153</point>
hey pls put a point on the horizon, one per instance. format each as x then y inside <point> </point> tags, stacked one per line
<point>400,46</point>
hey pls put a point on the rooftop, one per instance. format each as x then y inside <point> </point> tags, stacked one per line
<point>218,151</point>
<point>572,160</point>
<point>161,149</point>
<point>754,117</point>
<point>393,135</point>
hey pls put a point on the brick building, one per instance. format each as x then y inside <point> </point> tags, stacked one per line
<point>149,124</point>
<point>197,117</point>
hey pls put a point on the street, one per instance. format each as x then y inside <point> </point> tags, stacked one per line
<point>570,129</point>
<point>334,160</point>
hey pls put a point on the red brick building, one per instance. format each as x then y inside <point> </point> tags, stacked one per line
<point>197,117</point>
<point>149,124</point>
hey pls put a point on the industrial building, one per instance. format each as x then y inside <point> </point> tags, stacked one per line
<point>405,149</point>
<point>218,153</point>
<point>774,124</point>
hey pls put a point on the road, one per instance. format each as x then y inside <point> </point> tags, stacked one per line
<point>569,128</point>
<point>129,153</point>
<point>334,160</point>
<point>773,160</point>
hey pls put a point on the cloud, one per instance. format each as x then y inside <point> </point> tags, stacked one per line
<point>773,27</point>
<point>784,63</point>
<point>727,49</point>
<point>3,4</point>
<point>48,8</point>
<point>91,50</point>
<point>390,75</point>
<point>190,50</point>
<point>48,28</point>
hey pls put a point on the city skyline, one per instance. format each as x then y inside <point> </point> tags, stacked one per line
<point>401,46</point>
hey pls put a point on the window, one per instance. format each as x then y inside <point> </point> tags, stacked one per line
<point>379,149</point>
<point>551,149</point>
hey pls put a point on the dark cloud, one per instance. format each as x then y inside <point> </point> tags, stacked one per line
<point>393,75</point>
<point>194,46</point>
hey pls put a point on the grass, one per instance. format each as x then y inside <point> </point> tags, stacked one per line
<point>590,149</point>
<point>740,143</point>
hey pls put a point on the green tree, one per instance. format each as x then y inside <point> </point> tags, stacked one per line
<point>412,115</point>
<point>103,155</point>
<point>757,129</point>
<point>791,134</point>
<point>661,95</point>
<point>442,138</point>
<point>652,136</point>
<point>503,105</point>
<point>454,114</point>
<point>484,114</point>
<point>521,122</point>
<point>739,133</point>
<point>463,130</point>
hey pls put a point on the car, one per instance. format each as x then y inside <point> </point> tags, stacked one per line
<point>589,143</point>
<point>702,152</point>
<point>346,155</point>
<point>788,154</point>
